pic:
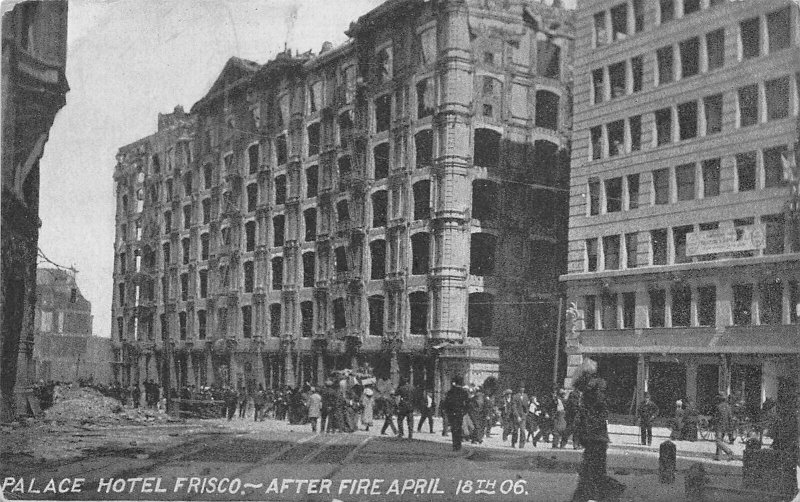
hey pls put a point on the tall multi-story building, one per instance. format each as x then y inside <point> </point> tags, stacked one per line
<point>683,251</point>
<point>33,90</point>
<point>397,201</point>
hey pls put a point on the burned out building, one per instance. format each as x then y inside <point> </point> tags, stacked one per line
<point>398,201</point>
<point>683,250</point>
<point>33,90</point>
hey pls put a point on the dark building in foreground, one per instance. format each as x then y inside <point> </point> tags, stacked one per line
<point>398,201</point>
<point>683,249</point>
<point>33,90</point>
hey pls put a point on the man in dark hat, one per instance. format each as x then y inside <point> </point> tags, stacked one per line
<point>648,411</point>
<point>406,394</point>
<point>455,406</point>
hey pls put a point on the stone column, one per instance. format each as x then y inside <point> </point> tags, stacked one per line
<point>190,377</point>
<point>394,369</point>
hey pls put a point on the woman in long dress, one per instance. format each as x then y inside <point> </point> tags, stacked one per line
<point>367,404</point>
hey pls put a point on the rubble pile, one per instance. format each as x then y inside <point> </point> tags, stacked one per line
<point>84,404</point>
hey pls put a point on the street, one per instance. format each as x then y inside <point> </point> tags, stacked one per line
<point>270,460</point>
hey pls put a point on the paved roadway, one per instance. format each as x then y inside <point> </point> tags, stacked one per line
<point>258,460</point>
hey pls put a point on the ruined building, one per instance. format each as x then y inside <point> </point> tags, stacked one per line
<point>683,249</point>
<point>399,201</point>
<point>33,90</point>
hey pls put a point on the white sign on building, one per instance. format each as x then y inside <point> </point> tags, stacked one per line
<point>726,240</point>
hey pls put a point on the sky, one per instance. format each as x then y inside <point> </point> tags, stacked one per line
<point>128,60</point>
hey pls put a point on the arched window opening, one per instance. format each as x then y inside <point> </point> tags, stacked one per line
<point>420,253</point>
<point>422,200</point>
<point>377,250</point>
<point>380,202</point>
<point>423,144</point>
<point>419,312</point>
<point>487,148</point>
<point>376,315</point>
<point>381,161</point>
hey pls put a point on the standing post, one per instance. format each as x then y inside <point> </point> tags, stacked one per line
<point>558,342</point>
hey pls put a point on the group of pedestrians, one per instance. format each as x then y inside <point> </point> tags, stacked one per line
<point>526,419</point>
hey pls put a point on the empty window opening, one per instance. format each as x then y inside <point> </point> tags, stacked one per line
<point>342,211</point>
<point>310,222</point>
<point>598,86</point>
<point>746,171</point>
<point>637,73</point>
<point>422,200</point>
<point>420,253</point>
<point>591,255</point>
<point>589,312</point>
<point>380,203</point>
<point>344,166</point>
<point>711,177</point>
<point>485,200</point>
<point>600,29</point>
<point>184,286</point>
<point>345,128</point>
<point>383,113</point>
<point>376,315</point>
<point>633,191</point>
<point>275,319</point>
<point>182,325</point>
<point>685,181</point>
<point>664,57</point>
<point>616,138</point>
<point>638,15</point>
<point>712,106</point>
<point>167,222</point>
<point>313,132</point>
<point>480,313</point>
<point>482,254</point>
<point>777,94</point>
<point>187,217</point>
<point>425,98</point>
<point>249,277</point>
<point>155,164</point>
<point>679,238</point>
<point>281,150</point>
<point>658,243</point>
<point>751,38</point>
<point>608,311</point>
<point>779,27</point>
<point>628,310</point>
<point>278,228</point>
<point>309,265</point>
<point>661,186</point>
<point>423,148</point>
<point>658,304</point>
<point>666,10</point>
<point>204,246</point>
<point>770,302</point>
<point>594,196</point>
<point>613,195</point>
<point>312,181</point>
<point>635,130</point>
<point>487,148</point>
<point>339,314</point>
<point>690,57</point>
<point>548,56</point>
<point>547,104</point>
<point>185,250</point>
<point>277,273</point>
<point>742,304</point>
<point>206,207</point>
<point>307,319</point>
<point>340,254</point>
<point>419,312</point>
<point>619,22</point>
<point>707,306</point>
<point>381,161</point>
<point>617,79</point>
<point>715,49</point>
<point>611,252</point>
<point>253,158</point>
<point>775,229</point>
<point>377,251</point>
<point>681,306</point>
<point>208,176</point>
<point>201,324</point>
<point>252,197</point>
<point>631,250</point>
<point>280,189</point>
<point>597,142</point>
<point>663,126</point>
<point>773,166</point>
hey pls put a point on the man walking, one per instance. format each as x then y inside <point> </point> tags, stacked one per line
<point>390,408</point>
<point>455,407</point>
<point>405,407</point>
<point>426,411</point>
<point>647,413</point>
<point>722,421</point>
<point>314,408</point>
<point>519,409</point>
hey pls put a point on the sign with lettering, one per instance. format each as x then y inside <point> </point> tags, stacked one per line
<point>726,240</point>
